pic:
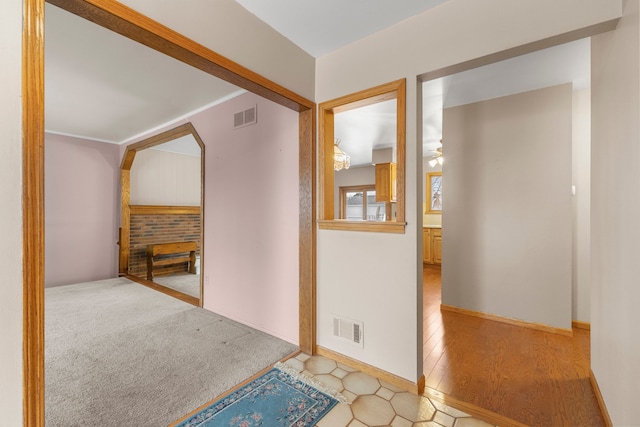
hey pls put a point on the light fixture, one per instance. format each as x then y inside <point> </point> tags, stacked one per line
<point>437,159</point>
<point>341,160</point>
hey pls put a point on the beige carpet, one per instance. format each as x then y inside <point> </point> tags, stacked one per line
<point>184,282</point>
<point>118,353</point>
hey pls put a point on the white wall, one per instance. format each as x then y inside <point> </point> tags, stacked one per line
<point>453,32</point>
<point>615,210</point>
<point>507,217</point>
<point>581,178</point>
<point>162,178</point>
<point>11,214</point>
<point>230,30</point>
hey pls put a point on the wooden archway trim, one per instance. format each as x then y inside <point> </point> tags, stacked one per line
<point>33,211</point>
<point>123,20</point>
<point>126,21</point>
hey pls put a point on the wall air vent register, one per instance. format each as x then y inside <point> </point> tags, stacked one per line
<point>349,330</point>
<point>245,118</point>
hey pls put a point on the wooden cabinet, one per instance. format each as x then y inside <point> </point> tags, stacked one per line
<point>432,246</point>
<point>426,245</point>
<point>436,245</point>
<point>385,182</point>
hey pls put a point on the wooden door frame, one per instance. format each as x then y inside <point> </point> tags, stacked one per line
<point>131,24</point>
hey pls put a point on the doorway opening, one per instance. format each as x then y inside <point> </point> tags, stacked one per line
<point>139,28</point>
<point>496,261</point>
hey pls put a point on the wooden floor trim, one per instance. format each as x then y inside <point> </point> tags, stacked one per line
<point>600,399</point>
<point>415,388</point>
<point>471,409</point>
<point>515,322</point>
<point>577,324</point>
<point>165,290</point>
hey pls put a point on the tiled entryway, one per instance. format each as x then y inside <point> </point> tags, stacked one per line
<point>375,402</point>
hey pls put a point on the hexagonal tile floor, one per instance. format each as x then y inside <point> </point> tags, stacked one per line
<point>374,402</point>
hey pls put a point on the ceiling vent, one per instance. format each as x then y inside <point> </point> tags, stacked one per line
<point>245,118</point>
<point>350,330</point>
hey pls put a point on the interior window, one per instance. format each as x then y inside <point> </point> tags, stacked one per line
<point>362,160</point>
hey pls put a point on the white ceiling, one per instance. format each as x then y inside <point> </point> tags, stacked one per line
<point>566,63</point>
<point>365,129</point>
<point>102,86</point>
<point>184,145</point>
<point>372,127</point>
<point>320,27</point>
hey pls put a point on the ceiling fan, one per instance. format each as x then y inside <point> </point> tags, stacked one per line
<point>436,157</point>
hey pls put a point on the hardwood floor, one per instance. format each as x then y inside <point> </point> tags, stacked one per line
<point>533,377</point>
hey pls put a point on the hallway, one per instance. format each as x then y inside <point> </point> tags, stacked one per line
<point>533,377</point>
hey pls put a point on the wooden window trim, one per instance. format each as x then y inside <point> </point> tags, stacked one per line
<point>327,110</point>
<point>372,226</point>
<point>351,188</point>
<point>428,209</point>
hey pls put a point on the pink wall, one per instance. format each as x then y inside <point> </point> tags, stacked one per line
<point>81,210</point>
<point>250,263</point>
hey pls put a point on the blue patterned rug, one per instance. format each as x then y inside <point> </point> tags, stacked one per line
<point>275,399</point>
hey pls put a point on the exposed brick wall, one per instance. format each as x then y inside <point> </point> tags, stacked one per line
<point>160,228</point>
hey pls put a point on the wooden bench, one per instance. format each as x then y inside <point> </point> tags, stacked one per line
<point>176,248</point>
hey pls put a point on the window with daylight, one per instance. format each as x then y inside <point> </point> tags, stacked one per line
<point>358,203</point>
